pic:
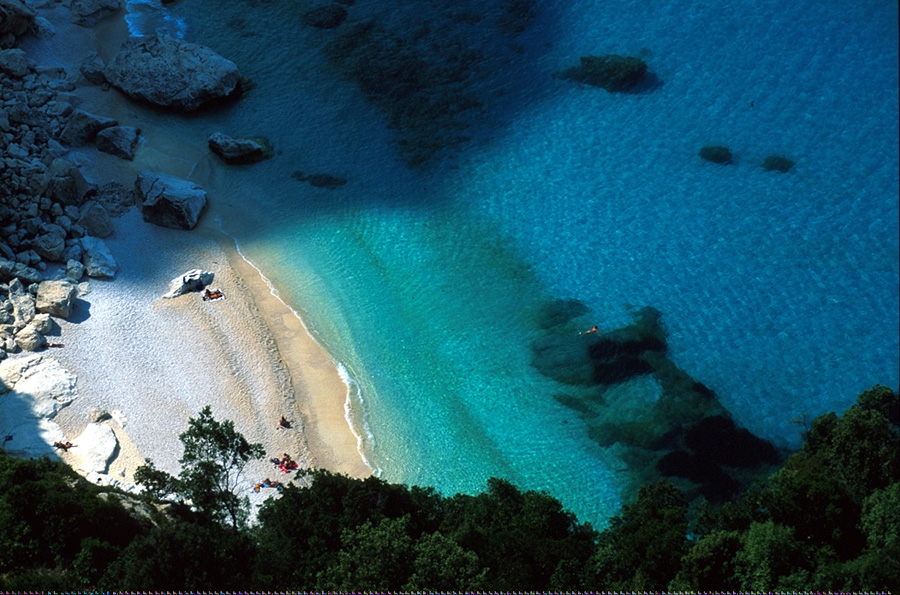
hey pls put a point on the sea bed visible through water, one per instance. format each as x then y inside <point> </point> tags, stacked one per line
<point>777,291</point>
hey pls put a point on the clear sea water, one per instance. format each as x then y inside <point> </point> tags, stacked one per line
<point>779,291</point>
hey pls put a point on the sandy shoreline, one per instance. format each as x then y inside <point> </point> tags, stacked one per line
<point>153,363</point>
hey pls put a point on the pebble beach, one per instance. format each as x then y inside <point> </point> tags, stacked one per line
<point>147,364</point>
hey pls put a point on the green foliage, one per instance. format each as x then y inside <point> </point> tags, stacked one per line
<point>643,546</point>
<point>197,555</point>
<point>376,555</point>
<point>443,565</point>
<point>769,551</point>
<point>52,523</point>
<point>709,564</point>
<point>213,460</point>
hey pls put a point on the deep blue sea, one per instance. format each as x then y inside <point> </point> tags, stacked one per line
<point>779,291</point>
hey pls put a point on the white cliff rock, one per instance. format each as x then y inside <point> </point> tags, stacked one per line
<point>94,448</point>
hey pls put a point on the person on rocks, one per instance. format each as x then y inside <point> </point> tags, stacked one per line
<point>63,446</point>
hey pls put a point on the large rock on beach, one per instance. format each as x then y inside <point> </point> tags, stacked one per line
<point>238,151</point>
<point>88,13</point>
<point>95,448</point>
<point>40,381</point>
<point>30,339</point>
<point>67,184</point>
<point>119,141</point>
<point>168,201</point>
<point>83,127</point>
<point>55,297</point>
<point>193,280</point>
<point>16,17</point>
<point>171,72</point>
<point>611,72</point>
<point>98,260</point>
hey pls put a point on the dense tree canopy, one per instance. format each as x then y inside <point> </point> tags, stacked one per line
<point>828,520</point>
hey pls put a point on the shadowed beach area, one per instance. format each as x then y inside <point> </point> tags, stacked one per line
<point>151,362</point>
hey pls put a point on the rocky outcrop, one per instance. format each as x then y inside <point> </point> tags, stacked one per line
<point>239,151</point>
<point>119,141</point>
<point>193,280</point>
<point>88,13</point>
<point>168,201</point>
<point>16,17</point>
<point>55,297</point>
<point>171,72</point>
<point>39,381</point>
<point>98,260</point>
<point>612,72</point>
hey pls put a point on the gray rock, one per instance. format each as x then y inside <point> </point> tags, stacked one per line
<point>171,72</point>
<point>29,339</point>
<point>23,303</point>
<point>83,127</point>
<point>168,201</point>
<point>42,28</point>
<point>236,151</point>
<point>193,280</point>
<point>14,62</point>
<point>50,246</point>
<point>98,260</point>
<point>67,184</point>
<point>43,324</point>
<point>88,13</point>
<point>95,220</point>
<point>119,141</point>
<point>55,297</point>
<point>74,270</point>
<point>91,68</point>
<point>98,415</point>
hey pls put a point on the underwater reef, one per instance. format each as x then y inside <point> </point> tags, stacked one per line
<point>634,399</point>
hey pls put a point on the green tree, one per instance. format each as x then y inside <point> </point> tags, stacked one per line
<point>769,553</point>
<point>195,555</point>
<point>376,556</point>
<point>443,565</point>
<point>709,564</point>
<point>642,548</point>
<point>213,461</point>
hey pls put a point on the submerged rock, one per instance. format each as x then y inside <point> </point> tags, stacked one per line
<point>320,180</point>
<point>611,72</point>
<point>171,72</point>
<point>716,154</point>
<point>777,163</point>
<point>239,151</point>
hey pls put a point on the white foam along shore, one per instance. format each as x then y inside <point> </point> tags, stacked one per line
<point>153,363</point>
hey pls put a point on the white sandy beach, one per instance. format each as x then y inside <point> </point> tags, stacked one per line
<point>153,362</point>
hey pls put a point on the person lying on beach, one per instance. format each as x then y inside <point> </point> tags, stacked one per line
<point>267,483</point>
<point>64,446</point>
<point>283,423</point>
<point>213,295</point>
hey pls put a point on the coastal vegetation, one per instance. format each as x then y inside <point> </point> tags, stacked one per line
<point>828,519</point>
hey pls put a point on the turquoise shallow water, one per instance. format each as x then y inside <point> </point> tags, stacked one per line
<point>779,291</point>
